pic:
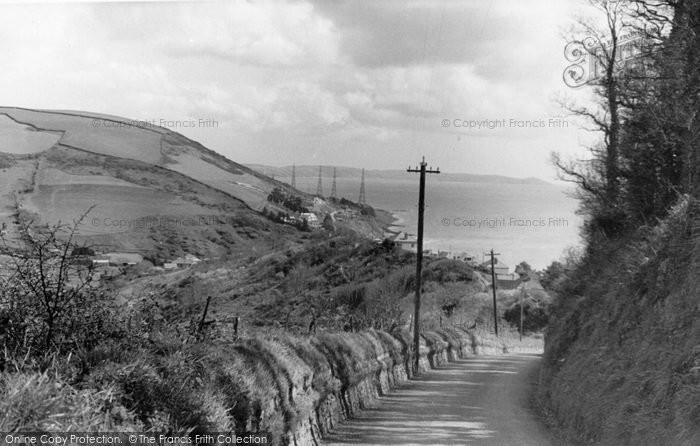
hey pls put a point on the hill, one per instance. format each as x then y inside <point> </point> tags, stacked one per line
<point>147,187</point>
<point>220,345</point>
<point>285,173</point>
<point>622,356</point>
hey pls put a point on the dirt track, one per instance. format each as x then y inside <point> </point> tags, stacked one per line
<point>477,401</point>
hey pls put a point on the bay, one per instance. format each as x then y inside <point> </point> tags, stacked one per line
<point>535,223</point>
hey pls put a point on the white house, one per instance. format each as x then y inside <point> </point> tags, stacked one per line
<point>100,262</point>
<point>408,243</point>
<point>187,260</point>
<point>498,266</point>
<point>311,219</point>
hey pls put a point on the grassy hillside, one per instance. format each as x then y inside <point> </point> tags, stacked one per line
<point>342,282</point>
<point>139,141</point>
<point>622,357</point>
<point>254,337</point>
<point>132,205</point>
<point>135,352</point>
<point>148,189</point>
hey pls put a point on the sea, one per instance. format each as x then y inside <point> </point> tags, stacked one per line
<point>535,223</point>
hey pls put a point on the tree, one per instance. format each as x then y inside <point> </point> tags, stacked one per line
<point>48,291</point>
<point>648,114</point>
<point>523,267</point>
<point>535,317</point>
<point>599,178</point>
<point>554,272</point>
<point>328,223</point>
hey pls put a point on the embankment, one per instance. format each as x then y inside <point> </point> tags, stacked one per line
<point>622,352</point>
<point>297,388</point>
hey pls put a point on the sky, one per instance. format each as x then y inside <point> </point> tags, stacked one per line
<point>469,84</point>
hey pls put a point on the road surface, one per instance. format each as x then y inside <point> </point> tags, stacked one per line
<point>477,401</point>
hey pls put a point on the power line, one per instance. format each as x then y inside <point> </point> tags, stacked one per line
<point>319,186</point>
<point>362,199</point>
<point>493,287</point>
<point>333,192</point>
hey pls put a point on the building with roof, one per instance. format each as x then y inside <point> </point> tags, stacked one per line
<point>186,261</point>
<point>498,266</point>
<point>311,219</point>
<point>407,242</point>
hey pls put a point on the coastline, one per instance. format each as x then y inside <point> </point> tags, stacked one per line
<point>397,226</point>
<point>390,223</point>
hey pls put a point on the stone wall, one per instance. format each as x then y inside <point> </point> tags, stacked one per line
<point>383,373</point>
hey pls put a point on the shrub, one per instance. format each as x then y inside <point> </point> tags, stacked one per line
<point>49,302</point>
<point>33,402</point>
<point>535,318</point>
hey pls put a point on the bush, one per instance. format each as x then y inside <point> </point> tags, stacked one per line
<point>535,318</point>
<point>292,202</point>
<point>49,303</point>
<point>33,402</point>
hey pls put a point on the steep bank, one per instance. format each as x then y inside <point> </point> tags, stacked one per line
<point>622,355</point>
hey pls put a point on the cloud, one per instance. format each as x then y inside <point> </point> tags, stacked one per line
<point>319,78</point>
<point>268,34</point>
<point>401,33</point>
<point>414,32</point>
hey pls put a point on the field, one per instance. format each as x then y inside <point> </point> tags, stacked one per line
<point>148,188</point>
<point>134,206</point>
<point>19,139</point>
<point>118,137</point>
<point>195,167</point>
<point>54,177</point>
<point>116,208</point>
<point>123,141</point>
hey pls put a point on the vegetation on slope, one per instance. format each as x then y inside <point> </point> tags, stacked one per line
<point>622,358</point>
<point>74,358</point>
<point>82,355</point>
<point>622,355</point>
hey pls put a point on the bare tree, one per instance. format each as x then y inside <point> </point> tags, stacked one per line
<point>46,285</point>
<point>616,71</point>
<point>603,51</point>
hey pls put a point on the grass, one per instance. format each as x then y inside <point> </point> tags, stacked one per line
<point>36,401</point>
<point>268,382</point>
<point>141,143</point>
<point>157,376</point>
<point>123,141</point>
<point>22,140</point>
<point>624,338</point>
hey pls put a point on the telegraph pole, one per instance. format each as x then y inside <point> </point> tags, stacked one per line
<point>419,258</point>
<point>493,286</point>
<point>522,294</point>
